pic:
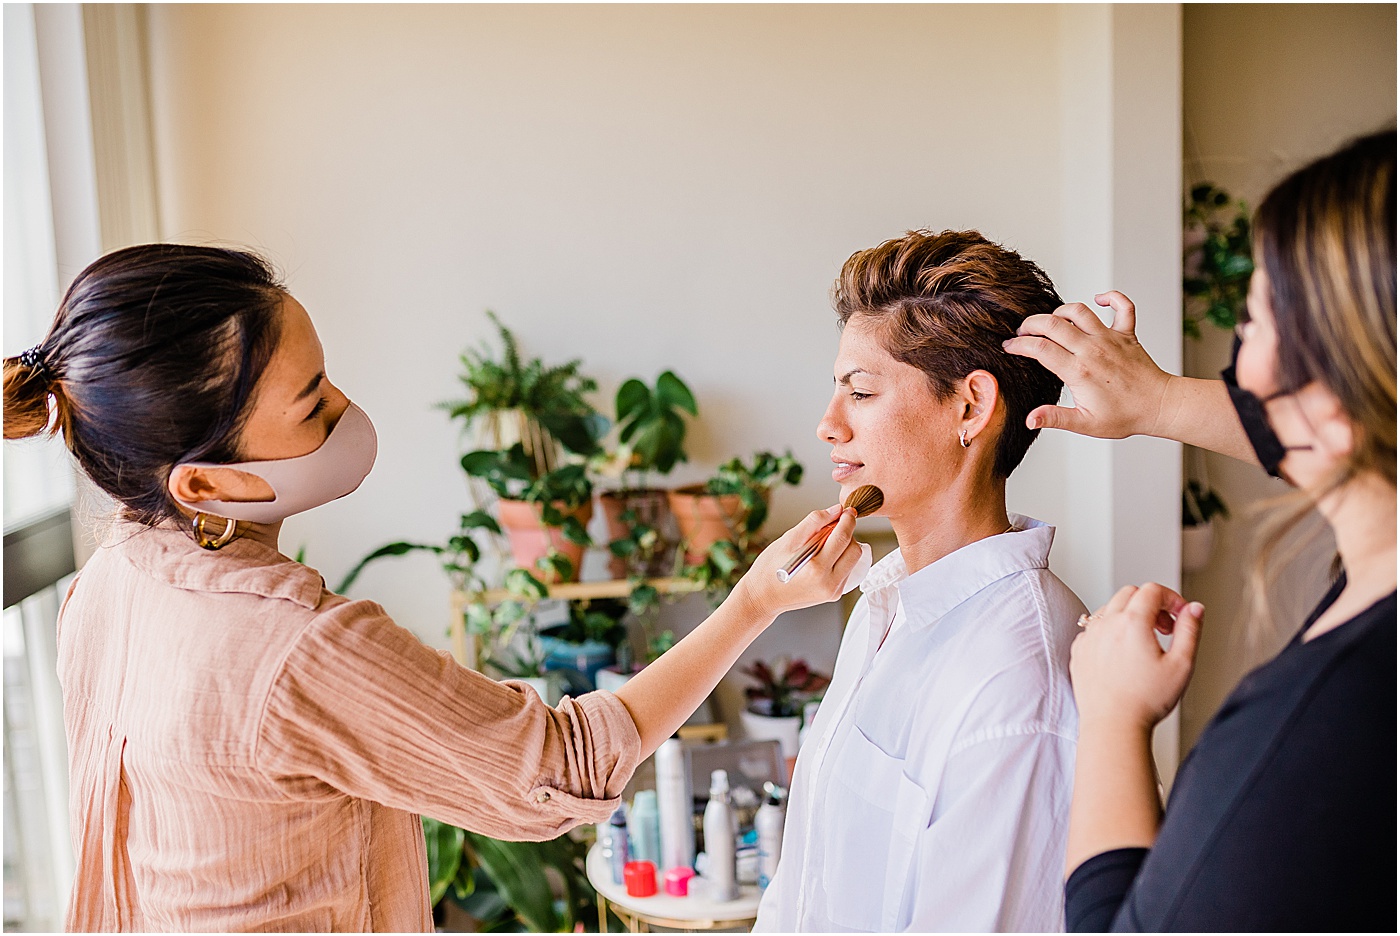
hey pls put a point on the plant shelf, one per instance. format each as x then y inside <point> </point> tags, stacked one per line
<point>464,647</point>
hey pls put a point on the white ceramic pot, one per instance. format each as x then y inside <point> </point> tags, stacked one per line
<point>542,685</point>
<point>609,679</point>
<point>767,728</point>
<point>1197,543</point>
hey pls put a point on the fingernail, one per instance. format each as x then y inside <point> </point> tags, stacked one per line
<point>1196,608</point>
<point>1005,345</point>
<point>1034,423</point>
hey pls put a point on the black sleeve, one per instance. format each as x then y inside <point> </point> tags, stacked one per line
<point>1098,887</point>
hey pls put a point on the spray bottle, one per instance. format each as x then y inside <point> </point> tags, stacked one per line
<point>673,806</point>
<point>720,829</point>
<point>768,823</point>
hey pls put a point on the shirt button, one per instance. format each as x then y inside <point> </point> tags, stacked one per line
<point>542,796</point>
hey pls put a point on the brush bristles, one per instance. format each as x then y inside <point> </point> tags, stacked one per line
<point>866,499</point>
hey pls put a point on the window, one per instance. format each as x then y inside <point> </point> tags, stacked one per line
<point>38,492</point>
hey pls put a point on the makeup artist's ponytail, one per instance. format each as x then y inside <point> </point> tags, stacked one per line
<point>152,360</point>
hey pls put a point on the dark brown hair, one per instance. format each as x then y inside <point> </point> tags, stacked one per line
<point>151,361</point>
<point>944,303</point>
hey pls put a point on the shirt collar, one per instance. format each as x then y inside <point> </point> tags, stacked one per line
<point>168,554</point>
<point>938,588</point>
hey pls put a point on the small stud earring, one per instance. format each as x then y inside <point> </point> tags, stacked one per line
<point>962,438</point>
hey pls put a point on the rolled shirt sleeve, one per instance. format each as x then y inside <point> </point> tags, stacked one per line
<point>360,706</point>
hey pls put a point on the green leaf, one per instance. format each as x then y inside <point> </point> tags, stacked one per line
<point>642,599</point>
<point>444,855</point>
<point>479,619</point>
<point>392,549</point>
<point>1235,266</point>
<point>633,399</point>
<point>466,545</point>
<point>558,563</point>
<point>1221,315</point>
<point>575,533</point>
<point>507,613</point>
<point>520,582</point>
<point>622,548</point>
<point>725,555</point>
<point>517,870</point>
<point>479,464</point>
<point>480,519</point>
<point>671,391</point>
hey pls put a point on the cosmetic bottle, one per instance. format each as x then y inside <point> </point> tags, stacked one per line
<point>720,829</point>
<point>673,806</point>
<point>768,823</point>
<point>643,829</point>
<point>618,859</point>
<point>605,844</point>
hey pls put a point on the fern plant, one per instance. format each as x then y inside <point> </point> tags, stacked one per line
<point>548,399</point>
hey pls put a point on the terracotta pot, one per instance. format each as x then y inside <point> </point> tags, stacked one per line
<point>530,539</point>
<point>652,507</point>
<point>704,519</point>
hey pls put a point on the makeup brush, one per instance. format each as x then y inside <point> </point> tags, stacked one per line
<point>866,499</point>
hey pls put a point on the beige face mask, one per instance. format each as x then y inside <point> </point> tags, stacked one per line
<point>306,481</point>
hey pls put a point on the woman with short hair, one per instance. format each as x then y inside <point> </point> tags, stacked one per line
<point>932,791</point>
<point>1282,817</point>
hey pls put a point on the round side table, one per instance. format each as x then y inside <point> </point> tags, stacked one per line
<point>693,913</point>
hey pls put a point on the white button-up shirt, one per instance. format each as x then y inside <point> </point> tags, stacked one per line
<point>933,790</point>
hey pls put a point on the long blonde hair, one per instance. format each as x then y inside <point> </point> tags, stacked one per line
<point>1325,237</point>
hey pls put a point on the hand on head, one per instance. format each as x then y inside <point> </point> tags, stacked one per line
<point>820,580</point>
<point>1118,668</point>
<point>1118,389</point>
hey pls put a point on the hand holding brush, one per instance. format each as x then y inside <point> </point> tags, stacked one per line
<point>865,500</point>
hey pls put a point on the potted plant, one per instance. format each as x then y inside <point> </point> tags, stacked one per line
<point>1217,264</point>
<point>775,700</point>
<point>1199,507</point>
<point>588,640</point>
<point>544,516</point>
<point>1217,260</point>
<point>720,519</point>
<point>538,887</point>
<point>651,438</point>
<point>540,406</point>
<point>545,501</point>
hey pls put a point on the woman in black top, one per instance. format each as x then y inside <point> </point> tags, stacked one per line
<point>1283,816</point>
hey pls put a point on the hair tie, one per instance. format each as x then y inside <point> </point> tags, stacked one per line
<point>34,360</point>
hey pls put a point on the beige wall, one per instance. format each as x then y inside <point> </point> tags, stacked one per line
<point>669,186</point>
<point>1266,89</point>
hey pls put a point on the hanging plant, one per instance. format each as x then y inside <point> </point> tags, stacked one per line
<point>1217,261</point>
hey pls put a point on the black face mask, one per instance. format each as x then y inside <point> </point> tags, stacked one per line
<point>1268,448</point>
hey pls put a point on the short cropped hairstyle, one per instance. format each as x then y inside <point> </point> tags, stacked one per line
<point>944,303</point>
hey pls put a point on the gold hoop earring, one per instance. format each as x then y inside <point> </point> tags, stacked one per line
<point>962,438</point>
<point>202,537</point>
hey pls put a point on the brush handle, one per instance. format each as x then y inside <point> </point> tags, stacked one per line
<point>808,551</point>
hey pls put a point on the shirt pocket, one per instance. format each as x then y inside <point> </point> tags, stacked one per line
<point>874,816</point>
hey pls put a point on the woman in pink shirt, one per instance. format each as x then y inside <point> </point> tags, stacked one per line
<point>247,749</point>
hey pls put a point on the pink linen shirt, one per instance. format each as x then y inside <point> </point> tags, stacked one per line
<point>249,751</point>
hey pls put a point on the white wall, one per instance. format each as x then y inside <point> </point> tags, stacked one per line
<point>1267,88</point>
<point>668,186</point>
